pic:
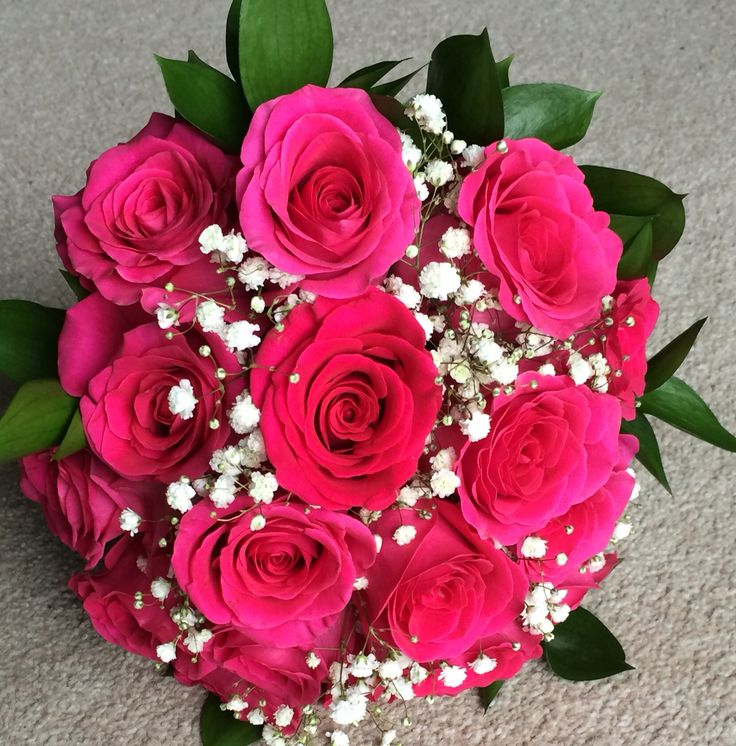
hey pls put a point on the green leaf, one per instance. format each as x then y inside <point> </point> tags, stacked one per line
<point>394,87</point>
<point>29,335</point>
<point>648,454</point>
<point>232,35</point>
<point>666,362</point>
<point>394,112</point>
<point>489,693</point>
<point>462,74</point>
<point>220,728</point>
<point>636,234</point>
<point>368,76</point>
<point>74,284</point>
<point>558,114</point>
<point>36,419</point>
<point>283,46</point>
<point>626,193</point>
<point>208,99</point>
<point>583,649</point>
<point>74,439</point>
<point>675,403</point>
<point>502,70</point>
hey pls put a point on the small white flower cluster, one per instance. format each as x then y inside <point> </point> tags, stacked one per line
<point>193,636</point>
<point>543,609</point>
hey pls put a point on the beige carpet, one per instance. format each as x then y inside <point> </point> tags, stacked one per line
<point>79,76</point>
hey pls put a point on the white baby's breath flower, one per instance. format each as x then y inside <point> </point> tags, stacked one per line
<point>439,280</point>
<point>473,156</point>
<point>196,640</point>
<point>534,547</point>
<point>438,172</point>
<point>469,293</point>
<point>404,535</point>
<point>130,521</point>
<point>410,153</point>
<point>455,243</point>
<point>477,426</point>
<point>283,716</point>
<point>283,279</point>
<point>236,704</point>
<point>233,248</point>
<point>361,583</point>
<point>166,652</point>
<point>483,664</point>
<point>181,399</point>
<point>427,112</point>
<point>223,491</point>
<point>312,660</point>
<point>241,335</point>
<point>179,495</point>
<point>244,415</point>
<point>453,676</point>
<point>166,316</point>
<point>445,458</point>
<point>444,483</point>
<point>504,371</point>
<point>426,323</point>
<point>211,316</point>
<point>350,708</point>
<point>339,738</point>
<point>579,368</point>
<point>262,487</point>
<point>210,239</point>
<point>421,187</point>
<point>253,272</point>
<point>160,588</point>
<point>257,304</point>
<point>390,669</point>
<point>258,522</point>
<point>256,717</point>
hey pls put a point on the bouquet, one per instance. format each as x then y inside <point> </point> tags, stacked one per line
<point>346,410</point>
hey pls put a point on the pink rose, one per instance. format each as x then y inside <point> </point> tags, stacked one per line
<point>634,315</point>
<point>138,219</point>
<point>283,585</point>
<point>535,228</point>
<point>577,584</point>
<point>108,596</point>
<point>347,395</point>
<point>507,650</point>
<point>437,596</point>
<point>82,499</point>
<point>586,528</point>
<point>233,663</point>
<point>324,192</point>
<point>549,448</point>
<point>124,373</point>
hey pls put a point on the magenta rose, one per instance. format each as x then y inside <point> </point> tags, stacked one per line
<point>549,448</point>
<point>108,596</point>
<point>535,228</point>
<point>282,585</point>
<point>124,373</point>
<point>578,583</point>
<point>347,395</point>
<point>232,663</point>
<point>438,595</point>
<point>82,499</point>
<point>586,528</point>
<point>138,219</point>
<point>504,653</point>
<point>324,192</point>
<point>633,316</point>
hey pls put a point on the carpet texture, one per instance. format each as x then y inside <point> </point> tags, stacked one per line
<point>78,77</point>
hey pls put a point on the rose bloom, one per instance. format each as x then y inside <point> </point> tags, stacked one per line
<point>347,395</point>
<point>82,499</point>
<point>577,583</point>
<point>232,663</point>
<point>549,448</point>
<point>138,219</point>
<point>124,372</point>
<point>324,192</point>
<point>108,595</point>
<point>439,595</point>
<point>625,345</point>
<point>282,585</point>
<point>586,528</point>
<point>535,228</point>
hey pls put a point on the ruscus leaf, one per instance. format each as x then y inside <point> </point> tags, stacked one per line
<point>36,419</point>
<point>675,403</point>
<point>29,335</point>
<point>368,76</point>
<point>558,114</point>
<point>489,693</point>
<point>220,728</point>
<point>283,46</point>
<point>583,649</point>
<point>462,74</point>
<point>648,454</point>
<point>74,439</point>
<point>232,39</point>
<point>207,99</point>
<point>502,70</point>
<point>665,363</point>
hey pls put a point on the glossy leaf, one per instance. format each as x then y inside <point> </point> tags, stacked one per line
<point>648,454</point>
<point>627,193</point>
<point>220,728</point>
<point>675,403</point>
<point>636,235</point>
<point>462,73</point>
<point>583,649</point>
<point>74,439</point>
<point>558,114</point>
<point>36,419</point>
<point>232,36</point>
<point>394,112</point>
<point>74,284</point>
<point>666,362</point>
<point>502,70</point>
<point>207,99</point>
<point>29,335</point>
<point>489,693</point>
<point>283,46</point>
<point>368,76</point>
<point>394,87</point>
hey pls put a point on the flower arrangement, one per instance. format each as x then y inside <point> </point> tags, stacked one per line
<point>346,409</point>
